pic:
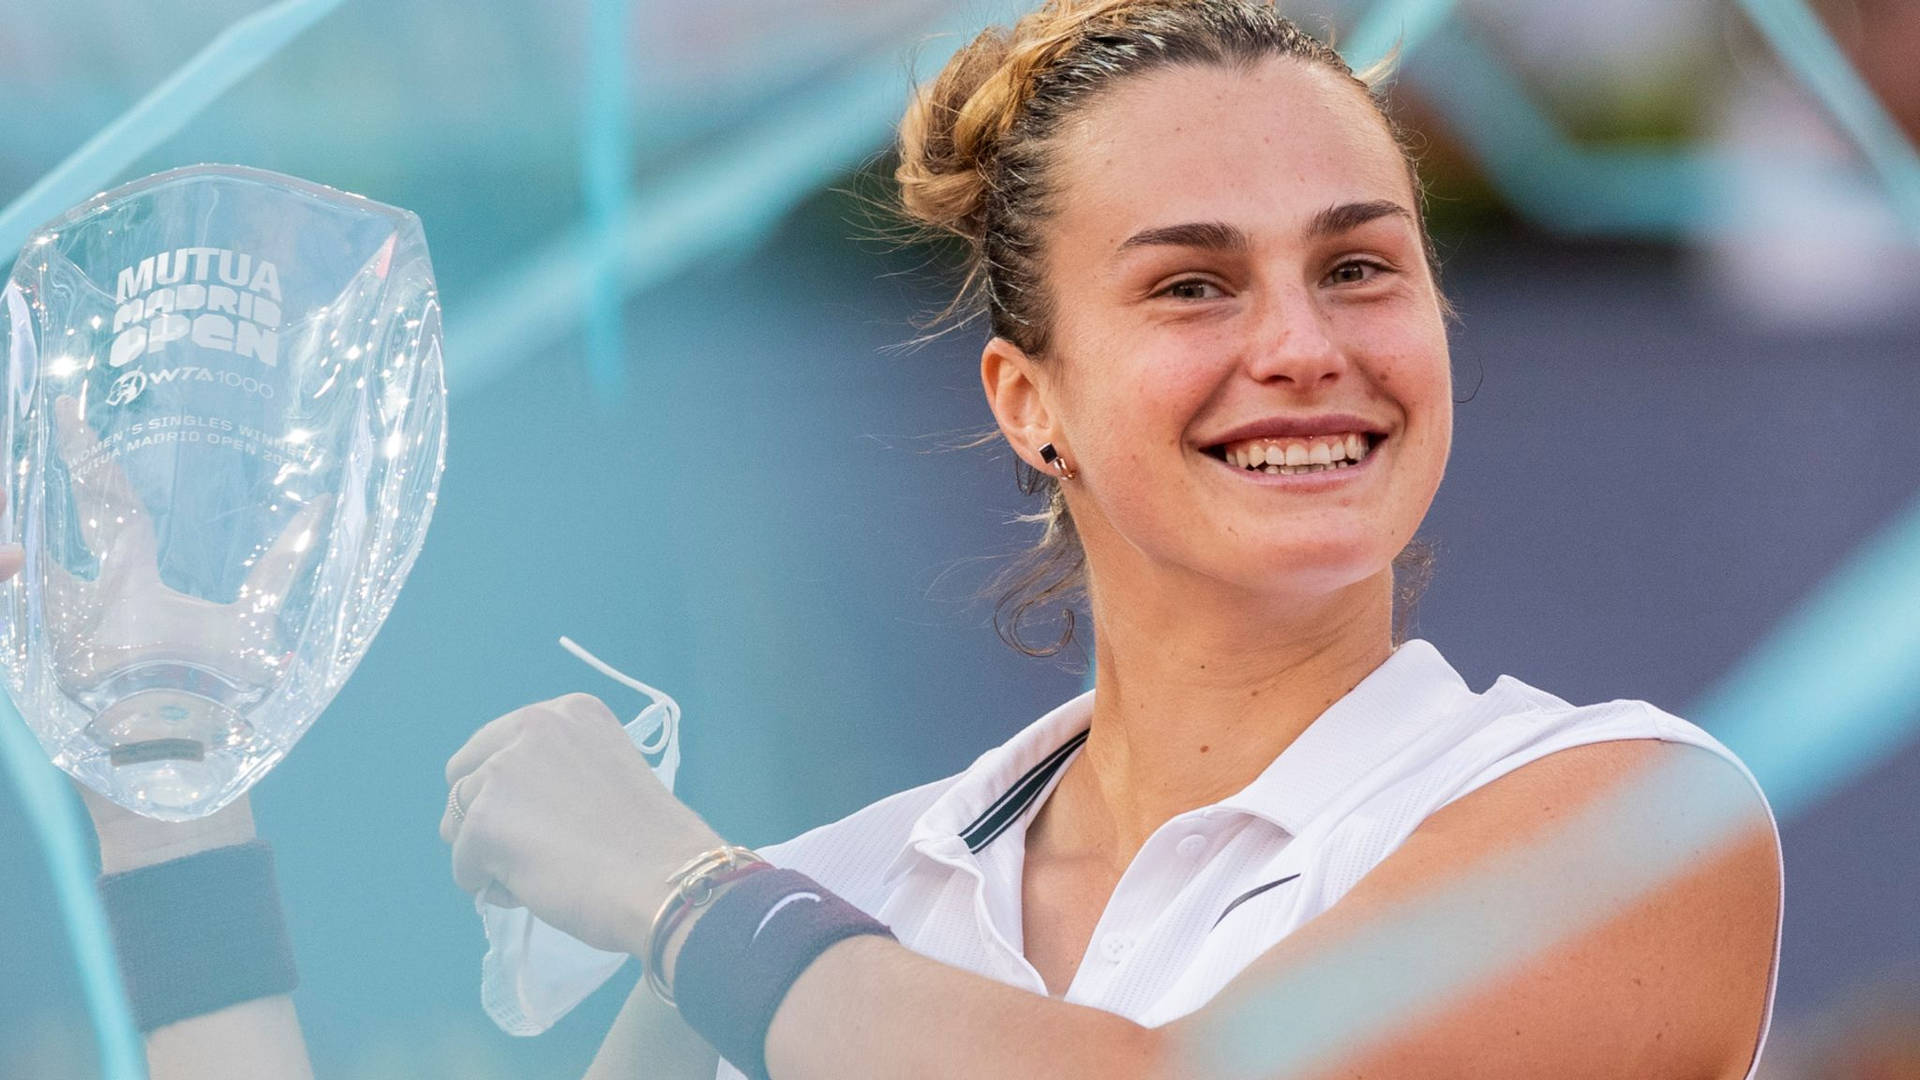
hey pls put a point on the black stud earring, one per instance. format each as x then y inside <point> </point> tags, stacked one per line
<point>1052,457</point>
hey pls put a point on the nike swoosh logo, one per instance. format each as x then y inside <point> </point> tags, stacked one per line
<point>775,910</point>
<point>1248,895</point>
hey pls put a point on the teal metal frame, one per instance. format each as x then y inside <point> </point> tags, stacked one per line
<point>238,51</point>
<point>1806,46</point>
<point>606,162</point>
<point>1394,28</point>
<point>56,817</point>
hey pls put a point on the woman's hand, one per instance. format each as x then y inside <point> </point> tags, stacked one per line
<point>562,812</point>
<point>126,613</point>
<point>127,839</point>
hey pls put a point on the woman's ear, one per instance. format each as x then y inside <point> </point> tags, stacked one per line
<point>1017,396</point>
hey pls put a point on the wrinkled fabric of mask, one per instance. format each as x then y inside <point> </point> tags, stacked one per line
<point>534,974</point>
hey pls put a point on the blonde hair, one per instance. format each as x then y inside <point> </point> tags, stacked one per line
<point>975,150</point>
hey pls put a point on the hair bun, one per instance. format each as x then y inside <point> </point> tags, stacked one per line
<point>953,128</point>
<point>947,138</point>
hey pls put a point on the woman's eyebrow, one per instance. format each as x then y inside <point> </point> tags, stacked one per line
<point>1335,220</point>
<point>1220,236</point>
<point>1208,235</point>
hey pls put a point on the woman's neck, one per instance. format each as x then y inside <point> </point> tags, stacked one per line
<point>1191,709</point>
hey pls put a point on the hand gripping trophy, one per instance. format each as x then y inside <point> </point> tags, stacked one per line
<point>225,427</point>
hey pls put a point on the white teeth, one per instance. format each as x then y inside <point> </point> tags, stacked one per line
<point>1306,455</point>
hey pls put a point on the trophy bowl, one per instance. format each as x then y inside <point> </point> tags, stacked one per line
<point>225,428</point>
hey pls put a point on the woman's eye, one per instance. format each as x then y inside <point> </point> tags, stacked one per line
<point>1191,289</point>
<point>1354,272</point>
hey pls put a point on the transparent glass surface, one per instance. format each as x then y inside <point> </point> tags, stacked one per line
<point>225,426</point>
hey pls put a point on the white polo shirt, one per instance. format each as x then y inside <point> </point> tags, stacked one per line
<point>1214,887</point>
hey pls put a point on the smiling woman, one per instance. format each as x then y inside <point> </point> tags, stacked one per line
<point>1255,270</point>
<point>1218,342</point>
<point>1109,108</point>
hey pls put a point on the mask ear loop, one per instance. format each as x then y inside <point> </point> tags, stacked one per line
<point>670,720</point>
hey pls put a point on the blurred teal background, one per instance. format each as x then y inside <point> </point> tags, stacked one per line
<point>685,433</point>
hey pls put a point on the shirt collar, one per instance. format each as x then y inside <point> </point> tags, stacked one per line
<point>1376,719</point>
<point>998,786</point>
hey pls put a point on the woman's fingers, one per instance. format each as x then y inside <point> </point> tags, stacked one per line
<point>449,824</point>
<point>469,869</point>
<point>499,734</point>
<point>472,866</point>
<point>492,737</point>
<point>473,846</point>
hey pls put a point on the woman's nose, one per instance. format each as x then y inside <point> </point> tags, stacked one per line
<point>1292,342</point>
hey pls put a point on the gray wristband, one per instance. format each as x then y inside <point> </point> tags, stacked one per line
<point>200,933</point>
<point>739,960</point>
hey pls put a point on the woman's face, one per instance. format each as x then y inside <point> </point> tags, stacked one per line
<point>1237,277</point>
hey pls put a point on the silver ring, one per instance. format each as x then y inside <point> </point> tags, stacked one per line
<point>453,802</point>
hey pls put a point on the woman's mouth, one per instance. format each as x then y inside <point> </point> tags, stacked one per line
<point>1297,455</point>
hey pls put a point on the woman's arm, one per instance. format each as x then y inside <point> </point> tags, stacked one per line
<point>1672,987</point>
<point>649,1041</point>
<point>242,1042</point>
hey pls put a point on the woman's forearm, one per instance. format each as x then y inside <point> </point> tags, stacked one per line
<point>241,1042</point>
<point>869,1007</point>
<point>252,1039</point>
<point>649,1041</point>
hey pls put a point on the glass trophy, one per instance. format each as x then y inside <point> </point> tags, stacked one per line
<point>225,427</point>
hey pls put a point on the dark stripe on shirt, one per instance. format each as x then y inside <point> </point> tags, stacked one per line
<point>1008,807</point>
<point>1250,894</point>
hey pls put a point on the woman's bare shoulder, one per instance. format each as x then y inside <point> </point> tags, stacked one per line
<point>1610,909</point>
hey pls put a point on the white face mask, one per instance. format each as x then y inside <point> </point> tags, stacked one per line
<point>533,974</point>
